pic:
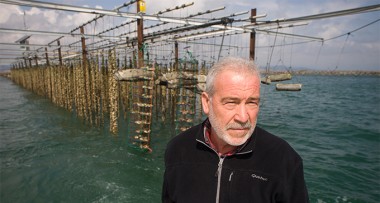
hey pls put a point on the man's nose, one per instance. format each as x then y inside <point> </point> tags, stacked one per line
<point>241,115</point>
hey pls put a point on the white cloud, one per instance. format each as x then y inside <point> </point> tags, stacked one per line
<point>51,16</point>
<point>6,11</point>
<point>364,41</point>
<point>12,17</point>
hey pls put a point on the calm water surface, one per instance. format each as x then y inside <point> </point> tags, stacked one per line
<point>49,155</point>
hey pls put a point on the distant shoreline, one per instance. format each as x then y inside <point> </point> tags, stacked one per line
<point>336,73</point>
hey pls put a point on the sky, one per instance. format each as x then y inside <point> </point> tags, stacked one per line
<point>360,50</point>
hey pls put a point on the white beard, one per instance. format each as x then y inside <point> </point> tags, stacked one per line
<point>222,133</point>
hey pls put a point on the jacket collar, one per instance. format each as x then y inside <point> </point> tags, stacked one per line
<point>245,148</point>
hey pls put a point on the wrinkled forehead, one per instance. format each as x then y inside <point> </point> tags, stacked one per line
<point>237,80</point>
<point>232,72</point>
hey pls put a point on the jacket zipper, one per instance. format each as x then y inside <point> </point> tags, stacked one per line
<point>219,173</point>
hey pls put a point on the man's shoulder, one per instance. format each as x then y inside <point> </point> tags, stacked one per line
<point>274,143</point>
<point>186,137</point>
<point>182,146</point>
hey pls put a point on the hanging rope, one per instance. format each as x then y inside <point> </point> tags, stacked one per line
<point>341,51</point>
<point>271,54</point>
<point>319,53</point>
<point>221,44</point>
<point>291,58</point>
<point>348,33</point>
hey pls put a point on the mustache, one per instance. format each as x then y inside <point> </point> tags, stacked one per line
<point>235,125</point>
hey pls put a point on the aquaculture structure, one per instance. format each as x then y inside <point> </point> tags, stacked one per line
<point>129,66</point>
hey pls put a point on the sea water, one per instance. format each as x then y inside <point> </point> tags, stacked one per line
<point>49,155</point>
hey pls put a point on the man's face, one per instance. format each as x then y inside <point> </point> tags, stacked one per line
<point>234,107</point>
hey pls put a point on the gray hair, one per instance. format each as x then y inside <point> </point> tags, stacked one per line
<point>239,65</point>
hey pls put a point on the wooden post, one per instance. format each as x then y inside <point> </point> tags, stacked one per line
<point>59,53</point>
<point>252,39</point>
<point>125,59</point>
<point>176,56</point>
<point>47,57</point>
<point>84,52</point>
<point>26,63</point>
<point>84,61</point>
<point>36,60</point>
<point>134,59</point>
<point>140,38</point>
<point>86,80</point>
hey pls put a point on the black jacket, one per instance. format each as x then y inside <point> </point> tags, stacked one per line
<point>267,169</point>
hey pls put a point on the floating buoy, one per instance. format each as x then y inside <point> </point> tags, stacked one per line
<point>288,87</point>
<point>280,77</point>
<point>266,80</point>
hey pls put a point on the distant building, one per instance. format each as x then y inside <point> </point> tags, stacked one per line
<point>23,41</point>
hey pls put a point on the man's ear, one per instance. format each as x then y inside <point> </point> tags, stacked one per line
<point>205,103</point>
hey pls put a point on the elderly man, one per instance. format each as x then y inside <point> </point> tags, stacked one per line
<point>227,158</point>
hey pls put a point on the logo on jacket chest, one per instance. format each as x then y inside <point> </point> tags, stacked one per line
<point>259,177</point>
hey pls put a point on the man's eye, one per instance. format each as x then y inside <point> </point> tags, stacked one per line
<point>230,104</point>
<point>252,103</point>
